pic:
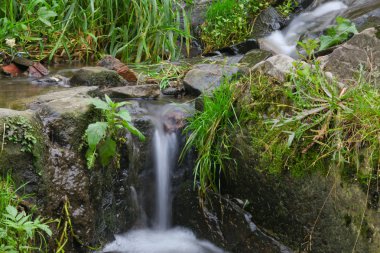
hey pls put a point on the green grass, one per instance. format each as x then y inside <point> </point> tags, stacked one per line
<point>209,133</point>
<point>134,30</point>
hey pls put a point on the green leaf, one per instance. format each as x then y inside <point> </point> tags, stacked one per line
<point>338,33</point>
<point>108,100</point>
<point>106,151</point>
<point>95,132</point>
<point>124,115</point>
<point>100,104</point>
<point>12,211</point>
<point>134,131</point>
<point>90,157</point>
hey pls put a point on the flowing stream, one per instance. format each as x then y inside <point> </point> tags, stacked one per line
<point>162,238</point>
<point>314,21</point>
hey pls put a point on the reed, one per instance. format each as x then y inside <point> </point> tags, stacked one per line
<point>134,30</point>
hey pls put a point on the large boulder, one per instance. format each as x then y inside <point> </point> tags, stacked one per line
<point>97,76</point>
<point>204,78</point>
<point>363,49</point>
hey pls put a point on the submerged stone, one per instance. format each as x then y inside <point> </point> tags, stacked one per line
<point>97,76</point>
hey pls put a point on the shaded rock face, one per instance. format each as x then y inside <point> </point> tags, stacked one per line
<point>315,212</point>
<point>97,76</point>
<point>204,78</point>
<point>222,222</point>
<point>362,49</point>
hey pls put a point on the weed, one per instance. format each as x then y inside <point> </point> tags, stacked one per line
<point>102,136</point>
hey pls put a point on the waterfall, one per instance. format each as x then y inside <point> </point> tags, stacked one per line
<point>165,152</point>
<point>162,238</point>
<point>285,42</point>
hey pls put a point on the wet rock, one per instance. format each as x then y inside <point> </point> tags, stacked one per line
<point>135,91</point>
<point>37,70</point>
<point>278,67</point>
<point>362,49</point>
<point>255,56</point>
<point>203,78</point>
<point>268,21</point>
<point>111,63</point>
<point>97,76</point>
<point>174,120</point>
<point>222,222</point>
<point>54,80</point>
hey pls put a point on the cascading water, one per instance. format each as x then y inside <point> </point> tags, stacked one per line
<point>285,42</point>
<point>161,238</point>
<point>165,151</point>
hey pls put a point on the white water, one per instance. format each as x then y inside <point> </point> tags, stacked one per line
<point>162,238</point>
<point>175,240</point>
<point>285,42</point>
<point>165,151</point>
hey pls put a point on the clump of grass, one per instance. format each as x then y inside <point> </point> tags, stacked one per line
<point>134,30</point>
<point>209,133</point>
<point>320,125</point>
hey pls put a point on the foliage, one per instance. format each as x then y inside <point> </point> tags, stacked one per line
<point>135,30</point>
<point>227,22</point>
<point>209,133</point>
<point>338,33</point>
<point>19,232</point>
<point>102,136</point>
<point>287,7</point>
<point>19,130</point>
<point>309,46</point>
<point>320,125</point>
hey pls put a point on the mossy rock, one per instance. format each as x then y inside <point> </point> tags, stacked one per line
<point>25,166</point>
